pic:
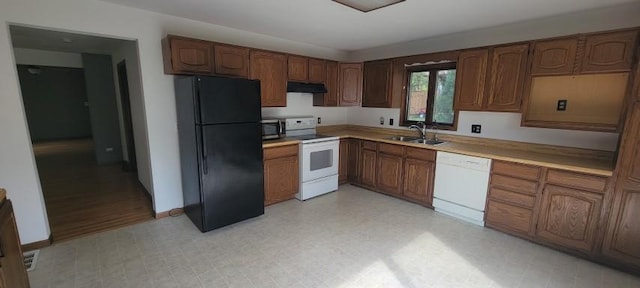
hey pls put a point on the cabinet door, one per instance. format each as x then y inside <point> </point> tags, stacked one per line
<point>317,71</point>
<point>343,166</point>
<point>623,232</point>
<point>350,92</point>
<point>14,273</point>
<point>508,217</point>
<point>191,56</point>
<point>554,57</point>
<point>332,84</point>
<point>389,173</point>
<point>368,172</point>
<point>569,217</point>
<point>271,70</point>
<point>280,179</point>
<point>506,78</point>
<point>470,79</point>
<point>298,68</point>
<point>377,81</point>
<point>231,60</point>
<point>418,180</point>
<point>354,165</point>
<point>609,52</point>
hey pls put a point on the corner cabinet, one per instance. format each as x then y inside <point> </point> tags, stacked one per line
<point>281,173</point>
<point>622,240</point>
<point>271,70</point>
<point>187,56</point>
<point>506,78</point>
<point>13,273</point>
<point>350,77</point>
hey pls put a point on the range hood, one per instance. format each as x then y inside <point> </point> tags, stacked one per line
<point>305,87</point>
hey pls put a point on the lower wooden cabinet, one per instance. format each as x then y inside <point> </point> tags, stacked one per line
<point>569,217</point>
<point>281,174</point>
<point>389,173</point>
<point>354,154</point>
<point>343,165</point>
<point>13,273</point>
<point>509,217</point>
<point>418,180</point>
<point>368,168</point>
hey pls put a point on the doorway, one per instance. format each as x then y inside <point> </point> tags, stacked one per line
<point>82,136</point>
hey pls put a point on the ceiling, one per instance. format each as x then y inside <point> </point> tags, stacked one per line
<point>33,38</point>
<point>329,24</point>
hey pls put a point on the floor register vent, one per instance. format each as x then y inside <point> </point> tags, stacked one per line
<point>30,259</point>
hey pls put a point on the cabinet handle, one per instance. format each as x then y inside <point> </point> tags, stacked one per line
<point>205,167</point>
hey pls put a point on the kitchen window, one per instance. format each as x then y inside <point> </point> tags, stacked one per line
<point>430,93</point>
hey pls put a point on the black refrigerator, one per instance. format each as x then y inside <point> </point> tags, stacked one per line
<point>220,149</point>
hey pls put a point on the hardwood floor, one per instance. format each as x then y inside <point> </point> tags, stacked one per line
<point>83,197</point>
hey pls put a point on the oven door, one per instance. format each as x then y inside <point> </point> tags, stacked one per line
<point>319,160</point>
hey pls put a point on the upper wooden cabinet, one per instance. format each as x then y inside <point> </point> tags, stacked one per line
<point>471,72</point>
<point>586,53</point>
<point>350,77</point>
<point>271,70</point>
<point>332,83</point>
<point>187,56</point>
<point>377,84</point>
<point>623,231</point>
<point>554,57</point>
<point>231,60</point>
<point>609,52</point>
<point>506,78</point>
<point>317,70</point>
<point>298,68</point>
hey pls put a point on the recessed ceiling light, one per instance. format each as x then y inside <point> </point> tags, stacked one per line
<point>67,40</point>
<point>367,5</point>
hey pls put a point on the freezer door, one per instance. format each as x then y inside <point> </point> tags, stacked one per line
<point>232,174</point>
<point>228,100</point>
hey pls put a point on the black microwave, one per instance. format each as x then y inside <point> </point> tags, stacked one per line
<point>273,128</point>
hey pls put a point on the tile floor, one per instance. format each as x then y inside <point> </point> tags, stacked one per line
<point>351,238</point>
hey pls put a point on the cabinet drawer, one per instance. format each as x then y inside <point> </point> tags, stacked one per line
<point>516,170</point>
<point>509,217</point>
<point>282,151</point>
<point>369,145</point>
<point>577,180</point>
<point>391,149</point>
<point>514,184</point>
<point>512,197</point>
<point>421,154</point>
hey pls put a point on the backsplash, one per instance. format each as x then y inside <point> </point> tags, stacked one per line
<point>301,104</point>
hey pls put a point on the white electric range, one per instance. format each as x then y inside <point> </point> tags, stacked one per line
<point>319,156</point>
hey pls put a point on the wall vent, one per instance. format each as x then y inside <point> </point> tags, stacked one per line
<point>30,259</point>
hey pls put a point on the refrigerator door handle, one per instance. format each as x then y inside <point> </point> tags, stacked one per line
<point>205,167</point>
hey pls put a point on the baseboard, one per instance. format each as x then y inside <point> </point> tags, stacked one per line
<point>38,244</point>
<point>172,212</point>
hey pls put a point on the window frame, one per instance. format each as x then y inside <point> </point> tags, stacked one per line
<point>430,95</point>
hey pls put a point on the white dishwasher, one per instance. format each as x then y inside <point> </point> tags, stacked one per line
<point>460,188</point>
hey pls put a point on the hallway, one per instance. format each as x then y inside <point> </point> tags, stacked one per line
<point>83,198</point>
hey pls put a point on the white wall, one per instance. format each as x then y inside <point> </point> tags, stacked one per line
<point>301,104</point>
<point>621,16</point>
<point>47,58</point>
<point>17,166</point>
<point>129,52</point>
<point>496,125</point>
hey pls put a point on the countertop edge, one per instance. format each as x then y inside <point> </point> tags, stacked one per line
<point>279,142</point>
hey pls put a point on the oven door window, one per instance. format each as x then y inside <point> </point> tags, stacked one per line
<point>321,159</point>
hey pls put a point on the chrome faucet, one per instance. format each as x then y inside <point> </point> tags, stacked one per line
<point>434,127</point>
<point>421,127</point>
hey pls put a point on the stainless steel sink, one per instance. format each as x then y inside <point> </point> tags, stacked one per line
<point>403,138</point>
<point>428,141</point>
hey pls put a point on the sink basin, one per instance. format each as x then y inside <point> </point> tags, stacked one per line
<point>403,138</point>
<point>428,141</point>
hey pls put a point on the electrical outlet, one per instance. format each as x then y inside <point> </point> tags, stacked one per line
<point>381,120</point>
<point>476,128</point>
<point>319,120</point>
<point>562,105</point>
<point>390,121</point>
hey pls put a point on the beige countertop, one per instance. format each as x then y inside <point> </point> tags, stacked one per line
<point>279,142</point>
<point>572,159</point>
